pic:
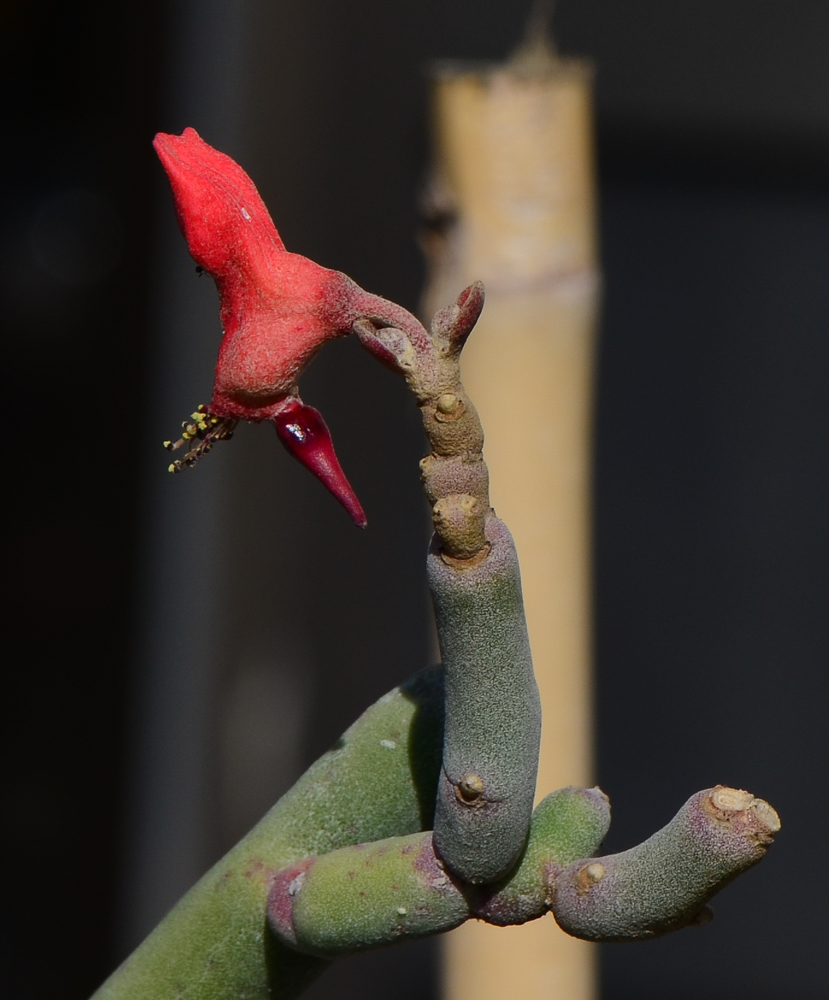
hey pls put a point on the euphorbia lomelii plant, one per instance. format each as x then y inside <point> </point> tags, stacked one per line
<point>421,817</point>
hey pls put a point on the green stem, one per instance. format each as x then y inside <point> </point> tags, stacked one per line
<point>665,882</point>
<point>379,780</point>
<point>493,712</point>
<point>377,894</point>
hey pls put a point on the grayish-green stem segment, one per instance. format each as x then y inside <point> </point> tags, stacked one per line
<point>493,712</point>
<point>490,749</point>
<point>412,824</point>
<point>376,894</point>
<point>665,883</point>
<point>378,781</point>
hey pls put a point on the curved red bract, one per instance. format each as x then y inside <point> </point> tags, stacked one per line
<point>277,308</point>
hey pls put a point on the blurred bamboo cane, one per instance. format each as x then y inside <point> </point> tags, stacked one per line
<point>513,204</point>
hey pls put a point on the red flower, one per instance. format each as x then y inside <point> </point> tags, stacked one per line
<point>277,310</point>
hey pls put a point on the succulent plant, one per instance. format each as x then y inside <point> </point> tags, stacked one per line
<point>421,816</point>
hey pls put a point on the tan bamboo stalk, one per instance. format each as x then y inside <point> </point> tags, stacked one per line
<point>514,200</point>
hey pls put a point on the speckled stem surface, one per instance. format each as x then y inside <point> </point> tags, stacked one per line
<point>411,824</point>
<point>364,897</point>
<point>665,882</point>
<point>568,824</point>
<point>371,895</point>
<point>491,740</point>
<point>378,780</point>
<point>493,711</point>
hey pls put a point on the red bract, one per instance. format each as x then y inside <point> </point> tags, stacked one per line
<point>277,309</point>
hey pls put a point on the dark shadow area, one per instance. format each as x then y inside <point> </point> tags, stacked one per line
<point>379,972</point>
<point>426,739</point>
<point>711,463</point>
<point>289,971</point>
<point>78,85</point>
<point>712,545</point>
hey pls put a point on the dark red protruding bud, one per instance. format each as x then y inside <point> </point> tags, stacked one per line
<point>306,436</point>
<point>470,304</point>
<point>455,322</point>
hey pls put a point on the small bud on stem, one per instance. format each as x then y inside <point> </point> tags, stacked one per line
<point>665,882</point>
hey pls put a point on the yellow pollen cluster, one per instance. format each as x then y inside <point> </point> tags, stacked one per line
<point>205,428</point>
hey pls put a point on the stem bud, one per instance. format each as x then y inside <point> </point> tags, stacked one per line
<point>459,523</point>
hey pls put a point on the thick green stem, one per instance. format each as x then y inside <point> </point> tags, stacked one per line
<point>365,897</point>
<point>377,894</point>
<point>347,859</point>
<point>665,882</point>
<point>568,824</point>
<point>493,712</point>
<point>379,780</point>
<point>490,749</point>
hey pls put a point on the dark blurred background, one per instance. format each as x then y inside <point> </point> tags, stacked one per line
<point>179,648</point>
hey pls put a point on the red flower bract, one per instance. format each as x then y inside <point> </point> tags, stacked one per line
<point>277,308</point>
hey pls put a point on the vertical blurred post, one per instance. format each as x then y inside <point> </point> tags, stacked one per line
<point>514,193</point>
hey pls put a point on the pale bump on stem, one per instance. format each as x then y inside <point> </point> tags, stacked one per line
<point>377,894</point>
<point>493,713</point>
<point>666,882</point>
<point>372,895</point>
